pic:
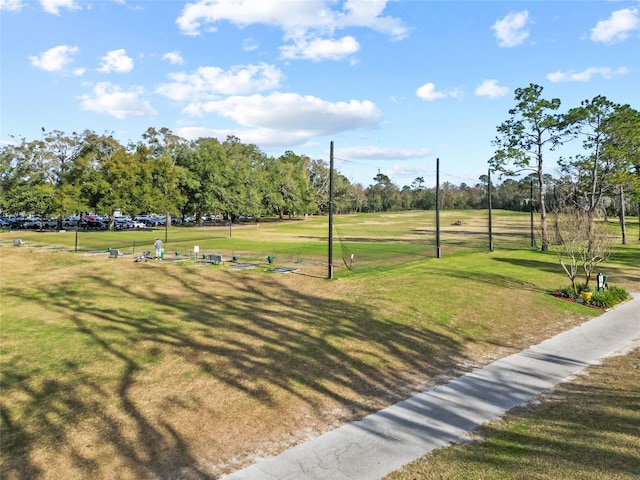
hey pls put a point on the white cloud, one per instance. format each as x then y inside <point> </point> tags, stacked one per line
<point>371,152</point>
<point>250,44</point>
<point>54,6</point>
<point>290,112</point>
<point>586,75</point>
<point>617,26</point>
<point>428,92</point>
<point>309,25</point>
<point>112,100</point>
<point>491,89</point>
<point>116,61</point>
<point>266,138</point>
<point>368,14</point>
<point>174,57</point>
<point>320,49</point>
<point>291,16</point>
<point>11,5</point>
<point>511,30</point>
<point>208,82</point>
<point>54,59</point>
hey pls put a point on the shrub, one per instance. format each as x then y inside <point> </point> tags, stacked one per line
<point>610,297</point>
<point>581,287</point>
<point>620,293</point>
<point>567,292</point>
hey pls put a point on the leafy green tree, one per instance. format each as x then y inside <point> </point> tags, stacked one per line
<point>382,195</point>
<point>160,152</point>
<point>591,174</point>
<point>532,129</point>
<point>207,172</point>
<point>623,147</point>
<point>27,180</point>
<point>287,190</point>
<point>245,185</point>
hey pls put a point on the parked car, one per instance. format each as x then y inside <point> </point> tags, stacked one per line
<point>148,220</point>
<point>70,222</point>
<point>32,222</point>
<point>138,225</point>
<point>93,225</point>
<point>49,223</point>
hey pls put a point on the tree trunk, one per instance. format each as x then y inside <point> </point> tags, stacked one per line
<point>622,223</point>
<point>543,210</point>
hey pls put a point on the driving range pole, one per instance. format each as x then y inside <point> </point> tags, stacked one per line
<point>330,274</point>
<point>438,253</point>
<point>489,205</point>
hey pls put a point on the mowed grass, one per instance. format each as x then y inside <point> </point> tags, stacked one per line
<point>116,369</point>
<point>587,429</point>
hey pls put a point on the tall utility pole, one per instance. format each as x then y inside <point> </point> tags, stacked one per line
<point>330,274</point>
<point>438,253</point>
<point>489,205</point>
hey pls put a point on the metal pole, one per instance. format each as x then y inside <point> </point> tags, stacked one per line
<point>166,227</point>
<point>78,228</point>
<point>438,252</point>
<point>330,273</point>
<point>490,220</point>
<point>533,238</point>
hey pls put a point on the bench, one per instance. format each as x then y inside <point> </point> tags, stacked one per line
<point>18,243</point>
<point>115,253</point>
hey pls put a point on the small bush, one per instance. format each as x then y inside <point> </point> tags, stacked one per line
<point>581,287</point>
<point>567,292</point>
<point>605,299</point>
<point>620,293</point>
<point>610,297</point>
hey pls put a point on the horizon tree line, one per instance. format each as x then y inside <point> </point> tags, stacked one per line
<point>59,174</point>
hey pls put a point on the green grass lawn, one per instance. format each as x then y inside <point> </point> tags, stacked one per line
<point>112,368</point>
<point>587,429</point>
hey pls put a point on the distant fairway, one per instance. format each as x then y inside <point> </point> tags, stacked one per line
<point>116,369</point>
<point>374,240</point>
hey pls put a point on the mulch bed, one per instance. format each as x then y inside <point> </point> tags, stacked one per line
<point>559,296</point>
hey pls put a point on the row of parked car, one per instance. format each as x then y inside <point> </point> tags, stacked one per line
<point>87,222</point>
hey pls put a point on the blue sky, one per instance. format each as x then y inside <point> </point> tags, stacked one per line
<point>394,84</point>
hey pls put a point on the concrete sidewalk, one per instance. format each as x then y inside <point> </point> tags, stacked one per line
<point>385,441</point>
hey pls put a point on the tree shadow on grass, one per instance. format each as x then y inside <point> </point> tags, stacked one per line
<point>586,429</point>
<point>258,339</point>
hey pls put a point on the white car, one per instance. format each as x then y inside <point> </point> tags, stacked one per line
<point>148,220</point>
<point>138,225</point>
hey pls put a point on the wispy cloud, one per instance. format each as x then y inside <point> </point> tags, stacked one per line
<point>585,75</point>
<point>173,57</point>
<point>114,101</point>
<point>210,82</point>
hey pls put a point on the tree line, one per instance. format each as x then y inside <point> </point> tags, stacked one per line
<point>64,174</point>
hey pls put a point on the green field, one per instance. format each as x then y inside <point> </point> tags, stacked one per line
<point>384,239</point>
<point>116,369</point>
